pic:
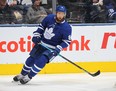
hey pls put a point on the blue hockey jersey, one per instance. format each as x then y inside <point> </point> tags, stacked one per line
<point>54,34</point>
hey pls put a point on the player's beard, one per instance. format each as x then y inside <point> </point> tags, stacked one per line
<point>59,20</point>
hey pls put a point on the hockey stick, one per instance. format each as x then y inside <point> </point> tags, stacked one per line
<point>92,74</point>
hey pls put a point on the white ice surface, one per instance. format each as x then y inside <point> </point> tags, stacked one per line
<point>62,82</point>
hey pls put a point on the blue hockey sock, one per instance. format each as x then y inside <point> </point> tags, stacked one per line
<point>38,65</point>
<point>27,66</point>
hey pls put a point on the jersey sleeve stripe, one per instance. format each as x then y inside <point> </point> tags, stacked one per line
<point>41,25</point>
<point>67,42</point>
<point>41,28</point>
<point>36,34</point>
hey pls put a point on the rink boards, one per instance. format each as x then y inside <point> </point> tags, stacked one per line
<point>93,47</point>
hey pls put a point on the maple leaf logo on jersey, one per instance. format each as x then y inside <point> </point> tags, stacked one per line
<point>49,33</point>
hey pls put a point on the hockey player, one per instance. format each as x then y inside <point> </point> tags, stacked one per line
<point>55,33</point>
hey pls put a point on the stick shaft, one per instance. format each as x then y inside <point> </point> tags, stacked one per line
<point>95,74</point>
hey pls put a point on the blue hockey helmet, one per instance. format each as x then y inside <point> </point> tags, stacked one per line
<point>61,8</point>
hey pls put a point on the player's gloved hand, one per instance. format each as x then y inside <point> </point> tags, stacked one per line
<point>56,51</point>
<point>36,40</point>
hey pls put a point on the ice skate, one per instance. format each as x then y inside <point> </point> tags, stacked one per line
<point>25,79</point>
<point>18,77</point>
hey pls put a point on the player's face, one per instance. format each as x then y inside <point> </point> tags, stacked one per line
<point>60,16</point>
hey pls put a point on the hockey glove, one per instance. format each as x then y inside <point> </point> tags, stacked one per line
<point>51,54</point>
<point>36,40</point>
<point>56,51</point>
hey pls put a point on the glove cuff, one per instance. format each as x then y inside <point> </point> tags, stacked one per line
<point>58,48</point>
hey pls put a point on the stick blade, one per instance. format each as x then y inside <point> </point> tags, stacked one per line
<point>96,74</point>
